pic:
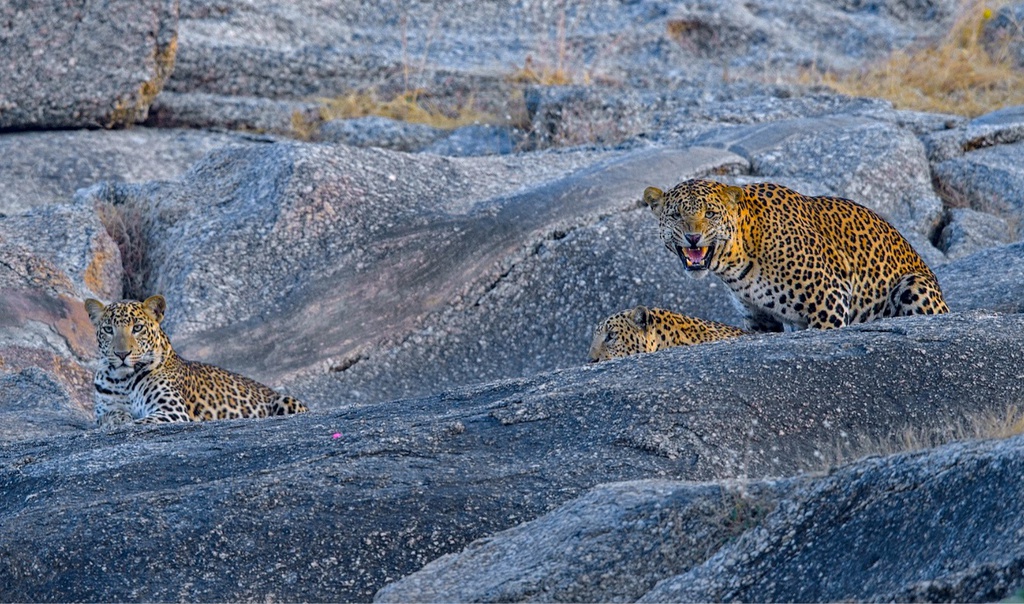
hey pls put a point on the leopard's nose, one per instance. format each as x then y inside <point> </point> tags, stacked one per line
<point>121,355</point>
<point>693,238</point>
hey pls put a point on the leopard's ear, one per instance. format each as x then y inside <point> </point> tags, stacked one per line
<point>732,195</point>
<point>641,316</point>
<point>156,305</point>
<point>95,309</point>
<point>655,199</point>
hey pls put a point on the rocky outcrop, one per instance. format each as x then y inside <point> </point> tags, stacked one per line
<point>239,113</point>
<point>86,64</point>
<point>42,168</point>
<point>50,259</point>
<point>854,157</point>
<point>611,545</point>
<point>283,508</point>
<point>940,525</point>
<point>987,180</point>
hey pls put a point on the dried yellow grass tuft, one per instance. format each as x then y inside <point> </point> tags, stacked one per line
<point>956,75</point>
<point>408,106</point>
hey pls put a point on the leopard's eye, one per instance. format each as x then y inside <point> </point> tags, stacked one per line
<point>107,329</point>
<point>137,328</point>
<point>710,214</point>
<point>609,337</point>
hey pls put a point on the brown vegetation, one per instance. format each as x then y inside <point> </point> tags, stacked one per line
<point>956,74</point>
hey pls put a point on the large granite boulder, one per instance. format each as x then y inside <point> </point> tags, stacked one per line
<point>331,505</point>
<point>878,164</point>
<point>41,168</point>
<point>611,545</point>
<point>937,525</point>
<point>489,52</point>
<point>987,180</point>
<point>50,259</point>
<point>85,64</point>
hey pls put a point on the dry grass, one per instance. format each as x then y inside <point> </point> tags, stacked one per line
<point>410,106</point>
<point>553,68</point>
<point>1004,424</point>
<point>556,63</point>
<point>954,75</point>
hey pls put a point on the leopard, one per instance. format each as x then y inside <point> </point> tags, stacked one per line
<point>143,380</point>
<point>642,329</point>
<point>793,261</point>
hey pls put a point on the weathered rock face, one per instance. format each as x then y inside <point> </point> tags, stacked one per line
<point>50,259</point>
<point>941,525</point>
<point>240,113</point>
<point>879,165</point>
<point>41,168</point>
<point>967,231</point>
<point>87,64</point>
<point>988,180</point>
<point>611,545</point>
<point>992,279</point>
<point>946,525</point>
<point>287,511</point>
<point>318,48</point>
<point>35,405</point>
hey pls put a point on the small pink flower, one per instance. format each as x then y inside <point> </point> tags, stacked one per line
<point>336,435</point>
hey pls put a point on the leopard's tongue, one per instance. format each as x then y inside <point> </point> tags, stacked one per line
<point>695,255</point>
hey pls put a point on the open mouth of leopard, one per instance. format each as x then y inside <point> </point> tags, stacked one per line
<point>695,258</point>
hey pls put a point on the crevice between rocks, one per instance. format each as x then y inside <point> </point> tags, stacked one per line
<point>126,224</point>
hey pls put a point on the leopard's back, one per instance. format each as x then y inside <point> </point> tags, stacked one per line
<point>791,259</point>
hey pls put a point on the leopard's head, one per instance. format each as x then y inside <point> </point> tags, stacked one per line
<point>129,333</point>
<point>621,334</point>
<point>697,219</point>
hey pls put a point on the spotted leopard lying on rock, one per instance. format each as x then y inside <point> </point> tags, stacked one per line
<point>144,380</point>
<point>794,260</point>
<point>643,329</point>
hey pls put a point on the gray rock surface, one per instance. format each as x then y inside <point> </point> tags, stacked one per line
<point>482,139</point>
<point>323,48</point>
<point>34,405</point>
<point>967,231</point>
<point>248,114</point>
<point>1001,127</point>
<point>383,132</point>
<point>943,525</point>
<point>989,180</point>
<point>880,529</point>
<point>285,510</point>
<point>611,545</point>
<point>991,279</point>
<point>70,65</point>
<point>874,163</point>
<point>44,327</point>
<point>41,168</point>
<point>72,238</point>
